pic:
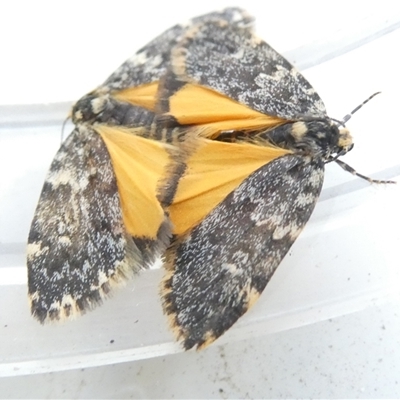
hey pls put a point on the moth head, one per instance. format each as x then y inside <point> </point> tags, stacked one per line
<point>321,138</point>
<point>89,107</point>
<point>345,141</point>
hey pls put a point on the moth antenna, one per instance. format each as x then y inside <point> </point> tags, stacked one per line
<point>347,168</point>
<point>339,122</point>
<point>348,116</point>
<point>63,127</point>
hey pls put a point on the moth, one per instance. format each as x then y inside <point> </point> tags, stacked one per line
<point>260,139</point>
<point>99,218</point>
<point>207,147</point>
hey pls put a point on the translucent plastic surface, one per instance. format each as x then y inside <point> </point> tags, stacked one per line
<point>345,260</point>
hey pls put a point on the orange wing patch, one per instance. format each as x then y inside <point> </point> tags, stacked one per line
<point>213,172</point>
<point>142,96</point>
<point>138,164</point>
<point>215,112</point>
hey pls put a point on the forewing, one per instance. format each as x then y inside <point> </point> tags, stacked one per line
<point>149,63</point>
<point>236,63</point>
<point>77,246</point>
<point>128,96</point>
<point>218,270</point>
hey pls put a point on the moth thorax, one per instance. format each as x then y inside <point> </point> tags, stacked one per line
<point>316,137</point>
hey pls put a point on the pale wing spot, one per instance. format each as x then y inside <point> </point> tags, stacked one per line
<point>67,300</point>
<point>249,294</point>
<point>271,220</point>
<point>283,209</point>
<point>263,222</point>
<point>289,180</point>
<point>280,73</point>
<point>260,79</point>
<point>65,177</point>
<point>315,177</point>
<point>294,72</point>
<point>232,269</point>
<point>103,278</point>
<point>124,77</point>
<point>185,24</point>
<point>86,267</point>
<point>263,80</point>
<point>252,297</point>
<point>304,199</point>
<point>155,62</point>
<point>256,40</point>
<point>54,306</point>
<point>83,182</point>
<point>35,250</point>
<point>281,231</point>
<point>295,232</point>
<point>237,16</point>
<point>56,276</point>
<point>62,177</point>
<point>34,296</point>
<point>92,171</point>
<point>239,54</point>
<point>139,58</point>
<point>69,307</point>
<point>208,338</point>
<point>61,229</point>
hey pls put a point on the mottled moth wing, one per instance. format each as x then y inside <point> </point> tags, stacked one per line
<point>235,62</point>
<point>117,101</point>
<point>81,240</point>
<point>221,267</point>
<point>78,246</point>
<point>149,63</point>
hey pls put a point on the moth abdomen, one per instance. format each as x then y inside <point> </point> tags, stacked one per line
<point>106,109</point>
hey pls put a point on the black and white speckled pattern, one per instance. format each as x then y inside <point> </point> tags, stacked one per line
<point>224,264</point>
<point>144,67</point>
<point>149,63</point>
<point>235,62</point>
<point>219,269</point>
<point>77,245</point>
